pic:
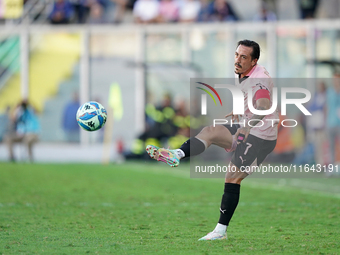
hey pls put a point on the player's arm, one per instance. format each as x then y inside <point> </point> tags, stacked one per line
<point>233,117</point>
<point>262,98</point>
<point>261,104</point>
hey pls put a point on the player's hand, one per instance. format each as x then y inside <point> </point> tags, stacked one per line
<point>241,134</point>
<point>233,117</point>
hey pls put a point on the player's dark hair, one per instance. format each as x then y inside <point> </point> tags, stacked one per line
<point>254,45</point>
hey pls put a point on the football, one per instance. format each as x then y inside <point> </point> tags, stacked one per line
<point>91,116</point>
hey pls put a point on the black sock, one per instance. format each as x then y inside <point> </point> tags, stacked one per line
<point>197,147</point>
<point>229,202</point>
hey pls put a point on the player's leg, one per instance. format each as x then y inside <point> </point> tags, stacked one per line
<point>229,202</point>
<point>29,140</point>
<point>247,155</point>
<point>10,139</point>
<point>219,135</point>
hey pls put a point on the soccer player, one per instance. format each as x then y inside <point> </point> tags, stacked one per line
<point>250,144</point>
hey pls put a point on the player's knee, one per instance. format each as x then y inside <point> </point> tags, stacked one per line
<point>8,139</point>
<point>206,129</point>
<point>32,138</point>
<point>211,130</point>
<point>233,180</point>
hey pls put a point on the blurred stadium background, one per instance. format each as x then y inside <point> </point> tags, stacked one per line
<point>132,60</point>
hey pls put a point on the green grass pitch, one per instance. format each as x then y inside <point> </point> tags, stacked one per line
<point>145,208</point>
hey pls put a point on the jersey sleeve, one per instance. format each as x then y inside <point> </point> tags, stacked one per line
<point>262,93</point>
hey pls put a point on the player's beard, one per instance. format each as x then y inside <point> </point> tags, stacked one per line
<point>237,71</point>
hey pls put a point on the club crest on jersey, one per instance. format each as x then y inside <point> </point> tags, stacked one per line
<point>262,86</point>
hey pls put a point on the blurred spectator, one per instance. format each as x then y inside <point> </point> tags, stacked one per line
<point>26,128</point>
<point>205,10</point>
<point>146,11</point>
<point>70,125</point>
<point>159,130</point>
<point>329,9</point>
<point>122,8</point>
<point>189,10</point>
<point>308,8</point>
<point>81,10</point>
<point>4,123</point>
<point>106,8</point>
<point>333,115</point>
<point>162,115</point>
<point>182,121</point>
<point>316,123</point>
<point>96,14</point>
<point>182,118</point>
<point>221,10</point>
<point>265,14</point>
<point>168,11</point>
<point>62,12</point>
